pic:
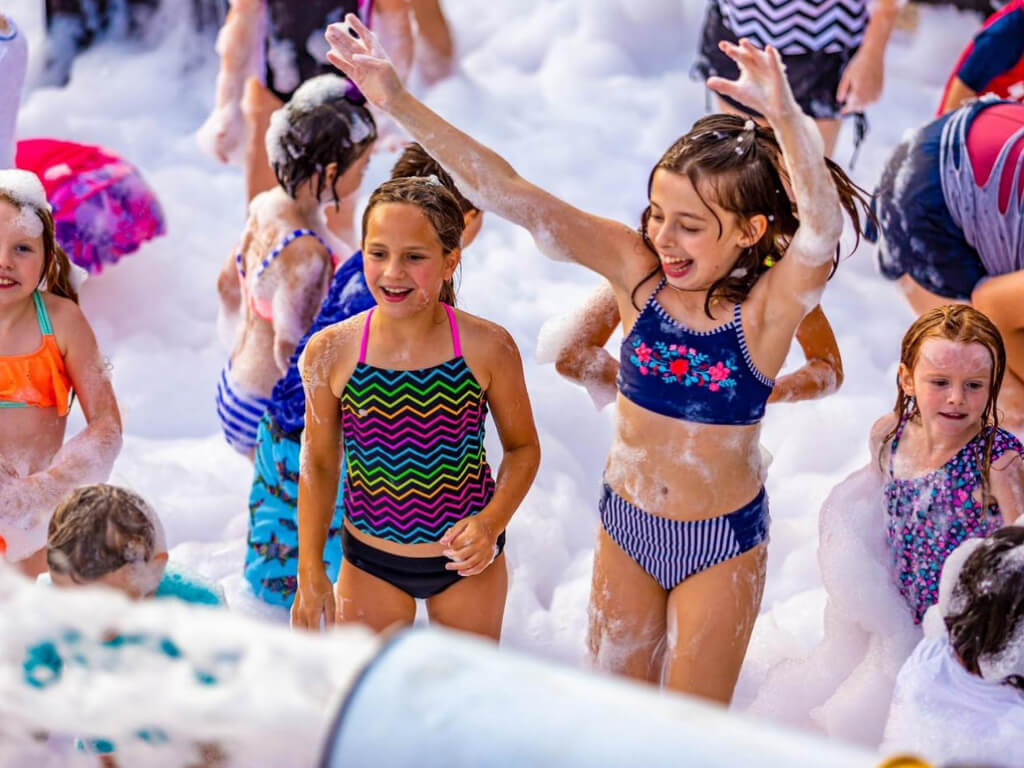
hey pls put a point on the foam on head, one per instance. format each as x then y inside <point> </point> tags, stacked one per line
<point>24,187</point>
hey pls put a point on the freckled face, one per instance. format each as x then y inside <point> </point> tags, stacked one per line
<point>686,236</point>
<point>21,253</point>
<point>951,384</point>
<point>403,261</point>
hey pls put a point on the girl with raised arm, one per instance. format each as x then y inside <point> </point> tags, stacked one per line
<point>680,558</point>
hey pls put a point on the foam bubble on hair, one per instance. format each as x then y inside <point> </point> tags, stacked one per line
<point>24,187</point>
<point>1009,661</point>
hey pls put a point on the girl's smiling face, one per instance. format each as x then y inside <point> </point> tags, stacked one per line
<point>404,263</point>
<point>21,252</point>
<point>951,382</point>
<point>693,251</point>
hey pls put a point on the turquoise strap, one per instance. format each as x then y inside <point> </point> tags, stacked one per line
<point>41,315</point>
<point>12,404</point>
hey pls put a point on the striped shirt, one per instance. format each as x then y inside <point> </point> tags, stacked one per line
<point>798,26</point>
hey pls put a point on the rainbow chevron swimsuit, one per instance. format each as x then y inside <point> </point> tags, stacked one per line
<point>415,462</point>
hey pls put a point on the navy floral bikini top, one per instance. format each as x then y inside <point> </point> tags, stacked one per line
<point>702,376</point>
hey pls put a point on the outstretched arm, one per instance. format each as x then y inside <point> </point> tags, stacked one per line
<point>795,284</point>
<point>582,357</point>
<point>822,374</point>
<point>560,230</point>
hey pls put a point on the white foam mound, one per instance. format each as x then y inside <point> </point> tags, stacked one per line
<point>843,686</point>
<point>89,663</point>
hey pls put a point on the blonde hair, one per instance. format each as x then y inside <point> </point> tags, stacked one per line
<point>56,264</point>
<point>962,324</point>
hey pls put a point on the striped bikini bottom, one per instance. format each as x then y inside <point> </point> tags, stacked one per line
<point>672,551</point>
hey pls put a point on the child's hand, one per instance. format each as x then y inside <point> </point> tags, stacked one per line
<point>222,133</point>
<point>762,83</point>
<point>471,546</point>
<point>861,83</point>
<point>313,598</point>
<point>363,60</point>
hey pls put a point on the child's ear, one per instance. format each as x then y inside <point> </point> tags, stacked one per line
<point>753,230</point>
<point>906,380</point>
<point>159,557</point>
<point>452,259</point>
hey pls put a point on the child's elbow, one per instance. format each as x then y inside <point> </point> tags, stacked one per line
<point>568,363</point>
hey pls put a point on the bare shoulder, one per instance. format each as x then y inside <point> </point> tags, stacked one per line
<point>336,341</point>
<point>66,317</point>
<point>1009,464</point>
<point>882,427</point>
<point>485,339</point>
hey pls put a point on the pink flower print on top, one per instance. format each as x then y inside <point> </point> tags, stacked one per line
<point>683,365</point>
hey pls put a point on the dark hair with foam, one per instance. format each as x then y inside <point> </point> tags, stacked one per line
<point>742,170</point>
<point>317,127</point>
<point>97,529</point>
<point>987,605</point>
<point>56,264</point>
<point>436,202</point>
<point>414,161</point>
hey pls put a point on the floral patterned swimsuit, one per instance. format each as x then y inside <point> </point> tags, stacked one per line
<point>702,376</point>
<point>929,516</point>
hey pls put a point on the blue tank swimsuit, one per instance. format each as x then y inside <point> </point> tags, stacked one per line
<point>706,377</point>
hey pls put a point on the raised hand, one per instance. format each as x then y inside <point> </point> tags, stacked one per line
<point>363,60</point>
<point>762,83</point>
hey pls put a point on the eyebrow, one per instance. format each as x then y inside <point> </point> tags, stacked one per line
<point>682,214</point>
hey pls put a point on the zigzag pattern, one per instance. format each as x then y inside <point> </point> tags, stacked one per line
<point>798,26</point>
<point>414,450</point>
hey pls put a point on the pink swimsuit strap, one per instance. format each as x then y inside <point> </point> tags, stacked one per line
<point>452,323</point>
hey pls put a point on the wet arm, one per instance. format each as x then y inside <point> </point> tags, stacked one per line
<point>296,301</point>
<point>89,456</point>
<point>560,230</point>
<point>513,416</point>
<point>1006,480</point>
<point>434,45</point>
<point>582,358</point>
<point>822,374</point>
<point>321,452</point>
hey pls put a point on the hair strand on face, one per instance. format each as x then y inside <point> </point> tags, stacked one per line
<point>743,171</point>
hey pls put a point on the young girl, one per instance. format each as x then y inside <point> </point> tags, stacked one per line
<point>320,145</point>
<point>960,697</point>
<point>951,473</point>
<point>680,559</point>
<point>950,208</point>
<point>47,351</point>
<point>269,48</point>
<point>582,357</point>
<point>406,387</point>
<point>272,550</point>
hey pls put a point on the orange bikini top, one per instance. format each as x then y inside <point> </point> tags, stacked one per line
<point>37,379</point>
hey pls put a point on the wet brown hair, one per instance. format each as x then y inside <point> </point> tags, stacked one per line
<point>744,172</point>
<point>989,596</point>
<point>437,203</point>
<point>963,324</point>
<point>414,161</point>
<point>56,264</point>
<point>97,529</point>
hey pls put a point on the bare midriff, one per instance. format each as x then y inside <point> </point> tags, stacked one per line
<point>30,437</point>
<point>682,470</point>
